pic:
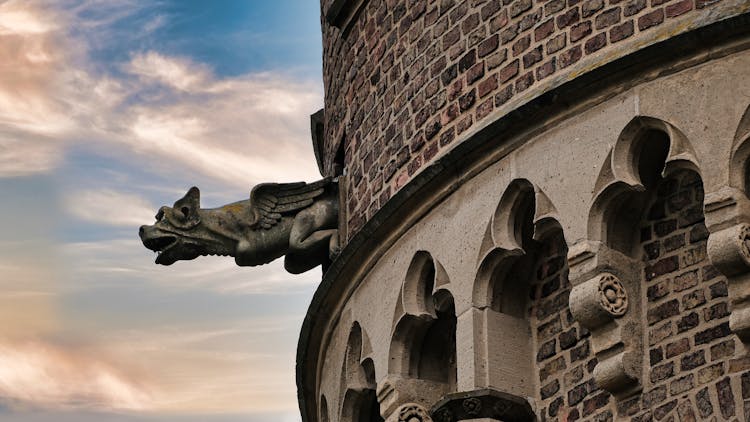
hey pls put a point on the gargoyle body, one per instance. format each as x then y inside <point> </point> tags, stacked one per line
<point>297,220</point>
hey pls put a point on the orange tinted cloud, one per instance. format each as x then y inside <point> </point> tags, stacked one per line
<point>42,374</point>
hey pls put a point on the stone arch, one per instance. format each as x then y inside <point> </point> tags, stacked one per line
<point>423,342</point>
<point>502,243</point>
<point>359,401</point>
<point>522,232</point>
<point>646,149</point>
<point>647,206</point>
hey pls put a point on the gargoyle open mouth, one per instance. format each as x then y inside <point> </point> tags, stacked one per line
<point>160,245</point>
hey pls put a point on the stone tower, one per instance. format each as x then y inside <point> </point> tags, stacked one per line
<point>544,212</point>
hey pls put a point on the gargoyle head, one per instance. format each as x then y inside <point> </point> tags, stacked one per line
<point>174,236</point>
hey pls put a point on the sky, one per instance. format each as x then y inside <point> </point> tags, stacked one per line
<point>110,109</point>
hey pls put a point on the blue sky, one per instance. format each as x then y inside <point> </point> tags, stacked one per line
<point>108,110</point>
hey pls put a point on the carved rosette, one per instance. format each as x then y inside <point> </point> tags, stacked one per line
<point>612,295</point>
<point>413,413</point>
<point>599,300</point>
<point>472,406</point>
<point>729,252</point>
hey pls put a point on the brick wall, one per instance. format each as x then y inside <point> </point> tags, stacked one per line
<point>564,358</point>
<point>693,372</point>
<point>411,76</point>
<point>694,369</point>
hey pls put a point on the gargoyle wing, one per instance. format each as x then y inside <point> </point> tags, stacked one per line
<point>271,200</point>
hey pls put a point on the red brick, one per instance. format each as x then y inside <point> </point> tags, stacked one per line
<point>471,22</point>
<point>487,86</point>
<point>544,30</point>
<point>488,46</point>
<point>489,9</point>
<point>596,43</point>
<point>532,57</point>
<point>651,19</point>
<point>679,8</point>
<point>580,30</point>
<point>568,18</point>
<point>485,108</point>
<point>504,95</point>
<point>508,72</point>
<point>521,45</point>
<point>570,56</point>
<point>546,69</point>
<point>524,81</point>
<point>633,6</point>
<point>620,32</point>
<point>475,73</point>
<point>589,7</point>
<point>467,100</point>
<point>553,6</point>
<point>608,18</point>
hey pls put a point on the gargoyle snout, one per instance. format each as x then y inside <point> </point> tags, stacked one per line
<point>141,232</point>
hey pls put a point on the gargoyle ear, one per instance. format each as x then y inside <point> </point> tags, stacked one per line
<point>187,207</point>
<point>191,199</point>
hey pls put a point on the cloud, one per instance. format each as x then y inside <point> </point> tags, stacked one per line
<point>41,374</point>
<point>171,111</point>
<point>178,73</point>
<point>115,261</point>
<point>106,206</point>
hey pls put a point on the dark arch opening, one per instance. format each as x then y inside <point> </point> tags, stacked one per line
<point>650,152</point>
<point>437,353</point>
<point>510,284</point>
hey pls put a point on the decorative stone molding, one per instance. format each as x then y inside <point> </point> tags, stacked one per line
<point>412,412</point>
<point>729,251</point>
<point>485,403</point>
<point>396,393</point>
<point>603,288</point>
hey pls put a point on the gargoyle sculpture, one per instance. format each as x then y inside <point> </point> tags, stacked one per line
<point>297,220</point>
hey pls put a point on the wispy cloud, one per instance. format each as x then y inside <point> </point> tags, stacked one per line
<point>106,206</point>
<point>108,262</point>
<point>40,374</point>
<point>240,130</point>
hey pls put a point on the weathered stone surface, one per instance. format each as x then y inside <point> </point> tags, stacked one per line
<point>294,219</point>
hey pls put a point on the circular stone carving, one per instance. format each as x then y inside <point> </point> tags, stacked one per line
<point>443,415</point>
<point>472,406</point>
<point>413,413</point>
<point>501,408</point>
<point>612,295</point>
<point>745,241</point>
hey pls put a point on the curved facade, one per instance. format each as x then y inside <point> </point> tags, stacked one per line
<point>546,212</point>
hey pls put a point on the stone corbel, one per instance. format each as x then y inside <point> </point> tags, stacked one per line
<point>394,391</point>
<point>605,299</point>
<point>728,221</point>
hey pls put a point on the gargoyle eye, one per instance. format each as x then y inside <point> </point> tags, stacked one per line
<point>185,212</point>
<point>160,215</point>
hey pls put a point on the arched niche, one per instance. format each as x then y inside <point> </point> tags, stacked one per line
<point>646,149</point>
<point>422,354</point>
<point>520,239</point>
<point>359,401</point>
<point>646,226</point>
